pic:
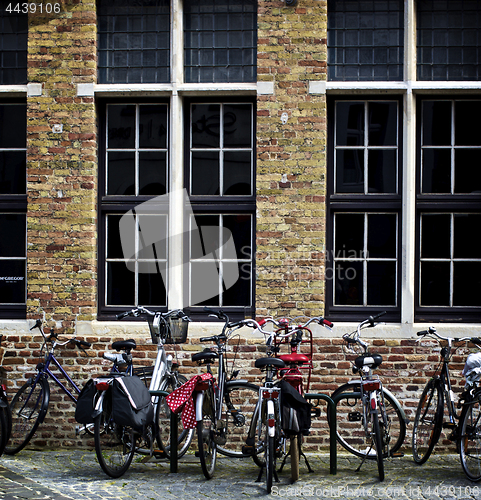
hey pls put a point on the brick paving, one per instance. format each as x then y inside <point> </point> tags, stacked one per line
<point>76,475</point>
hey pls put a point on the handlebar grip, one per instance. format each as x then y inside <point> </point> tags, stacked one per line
<point>379,315</point>
<point>37,324</point>
<point>429,331</point>
<point>208,339</point>
<point>123,315</point>
<point>476,341</point>
<point>83,343</point>
<point>327,323</point>
<point>421,334</point>
<point>262,322</point>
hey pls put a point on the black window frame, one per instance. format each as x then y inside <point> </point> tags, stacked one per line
<point>360,203</point>
<point>435,203</point>
<point>216,204</point>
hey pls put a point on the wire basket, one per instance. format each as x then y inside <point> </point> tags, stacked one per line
<point>168,330</point>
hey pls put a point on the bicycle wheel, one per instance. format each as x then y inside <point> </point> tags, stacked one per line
<point>238,406</point>
<point>294,450</point>
<point>470,440</point>
<point>377,441</point>
<point>428,422</point>
<point>270,461</point>
<point>162,417</point>
<point>28,409</point>
<point>114,444</point>
<point>207,447</point>
<point>3,428</point>
<point>350,427</point>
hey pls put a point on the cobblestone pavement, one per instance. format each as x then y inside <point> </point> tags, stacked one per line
<point>75,474</point>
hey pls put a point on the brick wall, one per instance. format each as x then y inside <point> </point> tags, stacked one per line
<point>291,159</point>
<point>62,166</point>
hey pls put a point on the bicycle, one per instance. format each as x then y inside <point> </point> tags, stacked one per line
<point>438,394</point>
<point>370,421</point>
<point>30,404</point>
<point>5,415</point>
<point>267,435</point>
<point>224,406</point>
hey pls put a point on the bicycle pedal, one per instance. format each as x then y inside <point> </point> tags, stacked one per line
<point>449,425</point>
<point>159,454</point>
<point>397,454</point>
<point>315,412</point>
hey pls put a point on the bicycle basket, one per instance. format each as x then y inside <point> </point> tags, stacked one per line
<point>170,330</point>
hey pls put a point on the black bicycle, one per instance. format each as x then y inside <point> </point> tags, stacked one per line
<point>437,395</point>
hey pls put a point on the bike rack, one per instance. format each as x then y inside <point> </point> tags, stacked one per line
<point>331,405</point>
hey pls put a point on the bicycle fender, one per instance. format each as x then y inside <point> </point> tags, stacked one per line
<point>271,414</point>
<point>99,405</point>
<point>3,404</point>
<point>46,388</point>
<point>199,401</point>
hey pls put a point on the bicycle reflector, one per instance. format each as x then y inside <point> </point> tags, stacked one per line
<point>371,385</point>
<point>266,394</point>
<point>102,386</point>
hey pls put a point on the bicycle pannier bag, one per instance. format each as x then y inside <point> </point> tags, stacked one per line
<point>296,411</point>
<point>131,403</point>
<point>85,404</point>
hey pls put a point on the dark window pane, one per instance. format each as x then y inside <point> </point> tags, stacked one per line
<point>205,173</point>
<point>350,171</point>
<point>237,125</point>
<point>241,228</point>
<point>120,285</point>
<point>349,124</point>
<point>436,123</point>
<point>12,281</point>
<point>436,171</point>
<point>348,285</point>
<point>13,126</point>
<point>381,283</point>
<point>13,47</point>
<point>382,171</point>
<point>465,245</point>
<point>13,243</point>
<point>152,173</point>
<point>435,236</point>
<point>205,125</point>
<point>237,173</point>
<point>467,283</point>
<point>121,174</point>
<point>151,285</point>
<point>121,127</point>
<point>205,240</point>
<point>467,133</point>
<point>13,172</point>
<point>153,126</point>
<point>239,294</point>
<point>467,171</point>
<point>114,245</point>
<point>349,236</point>
<point>153,238</point>
<point>383,123</point>
<point>435,283</point>
<point>381,236</point>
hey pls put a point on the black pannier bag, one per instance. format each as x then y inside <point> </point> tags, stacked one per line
<point>85,404</point>
<point>296,411</point>
<point>131,403</point>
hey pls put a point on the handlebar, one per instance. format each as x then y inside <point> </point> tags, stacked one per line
<point>354,337</point>
<point>81,344</point>
<point>137,311</point>
<point>431,331</point>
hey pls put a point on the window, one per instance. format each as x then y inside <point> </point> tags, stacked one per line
<point>449,200</point>
<point>221,185</point>
<point>13,208</point>
<point>404,187</point>
<point>364,204</point>
<point>134,41</point>
<point>220,41</point>
<point>365,40</point>
<point>13,48</point>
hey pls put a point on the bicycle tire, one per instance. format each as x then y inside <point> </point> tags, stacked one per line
<point>206,427</point>
<point>378,443</point>
<point>162,419</point>
<point>28,409</point>
<point>470,438</point>
<point>351,434</point>
<point>3,429</point>
<point>295,444</point>
<point>114,444</point>
<point>270,462</point>
<point>238,407</point>
<point>428,422</point>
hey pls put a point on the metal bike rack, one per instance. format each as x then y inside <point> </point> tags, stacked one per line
<point>331,405</point>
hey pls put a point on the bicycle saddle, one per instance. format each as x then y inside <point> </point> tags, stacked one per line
<point>124,344</point>
<point>372,360</point>
<point>295,358</point>
<point>206,356</point>
<point>263,362</point>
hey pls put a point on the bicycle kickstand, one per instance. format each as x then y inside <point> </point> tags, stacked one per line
<point>259,477</point>
<point>364,458</point>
